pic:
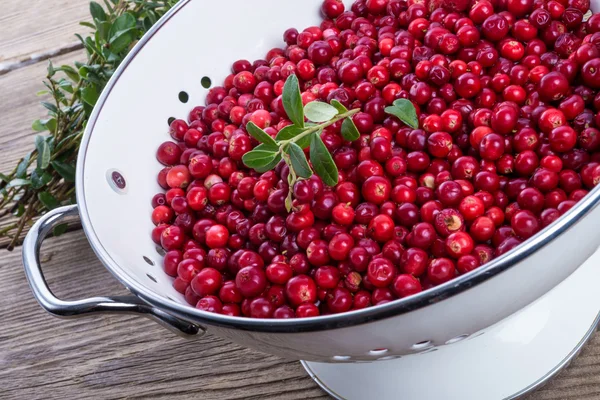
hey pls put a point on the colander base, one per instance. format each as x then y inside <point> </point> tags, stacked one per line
<point>507,360</point>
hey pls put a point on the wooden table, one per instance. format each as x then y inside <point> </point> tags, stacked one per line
<point>125,356</point>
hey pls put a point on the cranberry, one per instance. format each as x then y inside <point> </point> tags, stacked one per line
<point>301,289</point>
<point>317,252</point>
<point>206,282</point>
<point>340,245</point>
<point>525,224</point>
<point>441,270</point>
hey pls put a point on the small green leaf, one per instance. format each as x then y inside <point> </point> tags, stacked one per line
<point>339,106</point>
<point>349,130</point>
<point>19,182</point>
<point>260,135</point>
<point>48,200</point>
<point>50,124</point>
<point>405,111</point>
<point>41,93</point>
<point>121,40</point>
<point>40,178</point>
<point>51,107</point>
<point>318,111</point>
<point>291,131</point>
<point>270,165</point>
<point>70,72</point>
<point>298,160</point>
<point>19,211</point>
<point>67,171</point>
<point>87,25</point>
<point>22,167</point>
<point>51,70</point>
<point>43,159</point>
<point>259,158</point>
<point>59,229</point>
<point>322,161</point>
<point>123,23</point>
<point>4,178</point>
<point>97,11</point>
<point>292,101</point>
<point>38,126</point>
<point>89,95</point>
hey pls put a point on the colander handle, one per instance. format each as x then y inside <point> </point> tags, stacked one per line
<point>77,308</point>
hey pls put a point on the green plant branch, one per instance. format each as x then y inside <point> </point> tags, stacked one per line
<point>44,178</point>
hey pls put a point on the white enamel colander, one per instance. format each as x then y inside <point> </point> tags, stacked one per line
<point>116,178</point>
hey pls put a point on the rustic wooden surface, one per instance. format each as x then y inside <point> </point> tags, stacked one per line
<point>109,357</point>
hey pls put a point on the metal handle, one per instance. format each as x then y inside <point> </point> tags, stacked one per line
<point>76,308</point>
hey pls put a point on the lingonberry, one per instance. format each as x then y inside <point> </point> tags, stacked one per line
<point>525,224</point>
<point>441,270</point>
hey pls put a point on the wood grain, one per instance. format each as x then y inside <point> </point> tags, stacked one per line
<point>39,26</point>
<point>115,357</point>
<point>119,357</point>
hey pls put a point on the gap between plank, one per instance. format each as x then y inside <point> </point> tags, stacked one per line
<point>6,67</point>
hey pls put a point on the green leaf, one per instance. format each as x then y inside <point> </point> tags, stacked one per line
<point>48,200</point>
<point>19,211</point>
<point>339,106</point>
<point>4,178</point>
<point>292,101</point>
<point>259,158</point>
<point>123,23</point>
<point>87,25</point>
<point>43,159</point>
<point>261,136</point>
<point>349,130</point>
<point>51,70</point>
<point>67,171</point>
<point>38,126</point>
<point>40,178</point>
<point>51,107</point>
<point>97,11</point>
<point>270,165</point>
<point>121,40</point>
<point>89,95</point>
<point>322,161</point>
<point>298,160</point>
<point>70,72</point>
<point>405,111</point>
<point>50,124</point>
<point>41,93</point>
<point>22,167</point>
<point>18,182</point>
<point>318,111</point>
<point>59,229</point>
<point>291,131</point>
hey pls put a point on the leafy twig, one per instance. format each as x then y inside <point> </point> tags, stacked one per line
<point>44,179</point>
<point>290,141</point>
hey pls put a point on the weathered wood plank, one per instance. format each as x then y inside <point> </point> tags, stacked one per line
<point>113,357</point>
<point>38,26</point>
<point>119,356</point>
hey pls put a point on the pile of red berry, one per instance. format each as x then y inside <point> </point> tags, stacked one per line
<point>505,91</point>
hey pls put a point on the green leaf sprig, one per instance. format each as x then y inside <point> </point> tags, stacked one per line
<point>43,178</point>
<point>290,141</point>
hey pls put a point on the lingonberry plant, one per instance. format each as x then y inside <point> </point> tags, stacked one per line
<point>292,139</point>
